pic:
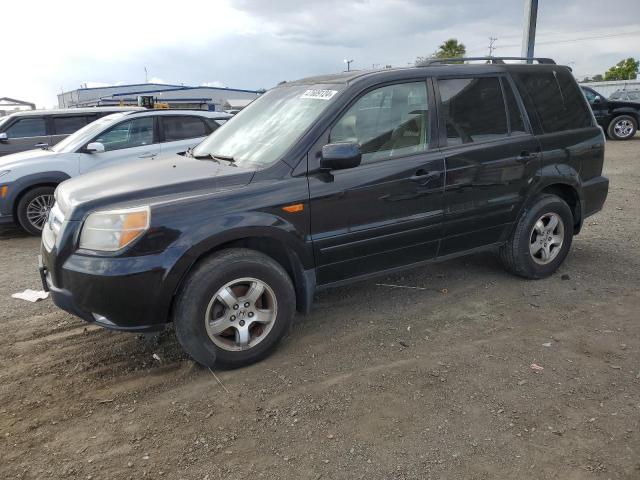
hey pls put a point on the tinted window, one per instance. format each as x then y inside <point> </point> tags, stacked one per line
<point>181,127</point>
<point>590,95</point>
<point>129,134</point>
<point>556,99</point>
<point>27,127</point>
<point>68,125</point>
<point>473,109</point>
<point>390,121</point>
<point>516,122</point>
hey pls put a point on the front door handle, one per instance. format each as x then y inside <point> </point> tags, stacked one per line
<point>148,155</point>
<point>41,145</point>
<point>422,175</point>
<point>526,156</point>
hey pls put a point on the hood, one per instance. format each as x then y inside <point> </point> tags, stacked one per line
<point>148,181</point>
<point>624,103</point>
<point>15,160</point>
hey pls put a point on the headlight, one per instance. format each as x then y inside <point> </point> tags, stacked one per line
<point>4,172</point>
<point>114,229</point>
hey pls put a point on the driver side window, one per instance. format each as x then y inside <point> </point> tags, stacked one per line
<point>388,122</point>
<point>591,96</point>
<point>129,134</point>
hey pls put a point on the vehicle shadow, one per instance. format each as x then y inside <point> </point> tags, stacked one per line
<point>11,231</point>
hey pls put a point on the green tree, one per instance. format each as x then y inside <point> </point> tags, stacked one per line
<point>623,70</point>
<point>451,49</point>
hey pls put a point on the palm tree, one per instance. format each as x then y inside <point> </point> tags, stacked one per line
<point>451,49</point>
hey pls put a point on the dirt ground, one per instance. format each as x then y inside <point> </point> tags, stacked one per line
<point>377,383</point>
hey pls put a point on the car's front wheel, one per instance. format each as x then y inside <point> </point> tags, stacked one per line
<point>623,127</point>
<point>234,308</point>
<point>541,239</point>
<point>33,209</point>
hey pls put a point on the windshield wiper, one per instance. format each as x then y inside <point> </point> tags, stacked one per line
<point>217,158</point>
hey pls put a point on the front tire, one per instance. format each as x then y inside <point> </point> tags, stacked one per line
<point>623,127</point>
<point>33,209</point>
<point>234,308</point>
<point>541,239</point>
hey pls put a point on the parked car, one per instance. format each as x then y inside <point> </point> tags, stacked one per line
<point>619,118</point>
<point>22,131</point>
<point>28,179</point>
<point>325,181</point>
<point>627,95</point>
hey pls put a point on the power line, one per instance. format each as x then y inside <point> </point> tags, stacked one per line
<point>571,40</point>
<point>492,41</point>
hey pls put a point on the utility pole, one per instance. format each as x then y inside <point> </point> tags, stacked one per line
<point>529,30</point>
<point>492,41</point>
<point>146,75</point>
<point>348,62</point>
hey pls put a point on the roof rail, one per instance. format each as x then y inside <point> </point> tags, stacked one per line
<point>494,60</point>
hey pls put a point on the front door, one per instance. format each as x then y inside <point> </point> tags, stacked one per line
<point>23,134</point>
<point>491,158</point>
<point>387,212</point>
<point>128,141</point>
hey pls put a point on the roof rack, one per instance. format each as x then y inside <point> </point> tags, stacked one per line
<point>494,60</point>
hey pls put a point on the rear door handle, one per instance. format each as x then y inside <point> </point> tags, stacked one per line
<point>41,145</point>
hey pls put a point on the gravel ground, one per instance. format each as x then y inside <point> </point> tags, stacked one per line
<point>377,383</point>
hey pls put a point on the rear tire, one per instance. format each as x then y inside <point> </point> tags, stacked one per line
<point>623,127</point>
<point>234,308</point>
<point>33,209</point>
<point>541,239</point>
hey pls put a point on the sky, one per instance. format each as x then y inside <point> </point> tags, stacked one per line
<point>56,45</point>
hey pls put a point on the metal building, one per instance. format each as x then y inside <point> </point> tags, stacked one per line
<point>176,96</point>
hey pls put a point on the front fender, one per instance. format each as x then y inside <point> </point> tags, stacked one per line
<point>16,188</point>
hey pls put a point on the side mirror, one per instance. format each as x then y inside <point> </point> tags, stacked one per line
<point>598,99</point>
<point>94,147</point>
<point>3,137</point>
<point>338,156</point>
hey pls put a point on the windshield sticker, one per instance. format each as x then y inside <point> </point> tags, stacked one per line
<point>319,94</point>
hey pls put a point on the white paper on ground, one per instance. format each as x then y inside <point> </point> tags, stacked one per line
<point>31,295</point>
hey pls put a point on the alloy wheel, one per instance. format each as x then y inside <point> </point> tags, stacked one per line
<point>38,210</point>
<point>623,128</point>
<point>241,314</point>
<point>547,237</point>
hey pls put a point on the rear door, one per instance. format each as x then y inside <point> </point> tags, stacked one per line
<point>387,212</point>
<point>491,159</point>
<point>128,141</point>
<point>180,132</point>
<point>64,125</point>
<point>25,133</point>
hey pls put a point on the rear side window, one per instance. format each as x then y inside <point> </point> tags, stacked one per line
<point>68,125</point>
<point>182,127</point>
<point>473,109</point>
<point>556,100</point>
<point>27,127</point>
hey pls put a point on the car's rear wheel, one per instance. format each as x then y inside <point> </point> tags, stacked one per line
<point>541,239</point>
<point>623,127</point>
<point>33,209</point>
<point>234,308</point>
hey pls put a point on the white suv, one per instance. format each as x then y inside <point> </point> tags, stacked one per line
<point>28,179</point>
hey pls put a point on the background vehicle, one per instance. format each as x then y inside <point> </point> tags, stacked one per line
<point>326,181</point>
<point>628,95</point>
<point>618,118</point>
<point>22,131</point>
<point>28,179</point>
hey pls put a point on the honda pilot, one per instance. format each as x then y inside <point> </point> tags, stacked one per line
<point>325,181</point>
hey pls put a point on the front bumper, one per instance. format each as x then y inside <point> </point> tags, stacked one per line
<point>93,290</point>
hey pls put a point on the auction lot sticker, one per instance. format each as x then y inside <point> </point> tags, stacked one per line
<point>319,94</point>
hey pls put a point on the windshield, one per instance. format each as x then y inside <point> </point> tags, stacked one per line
<point>86,133</point>
<point>262,132</point>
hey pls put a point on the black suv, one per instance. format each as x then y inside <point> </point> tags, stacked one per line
<point>325,181</point>
<point>619,118</point>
